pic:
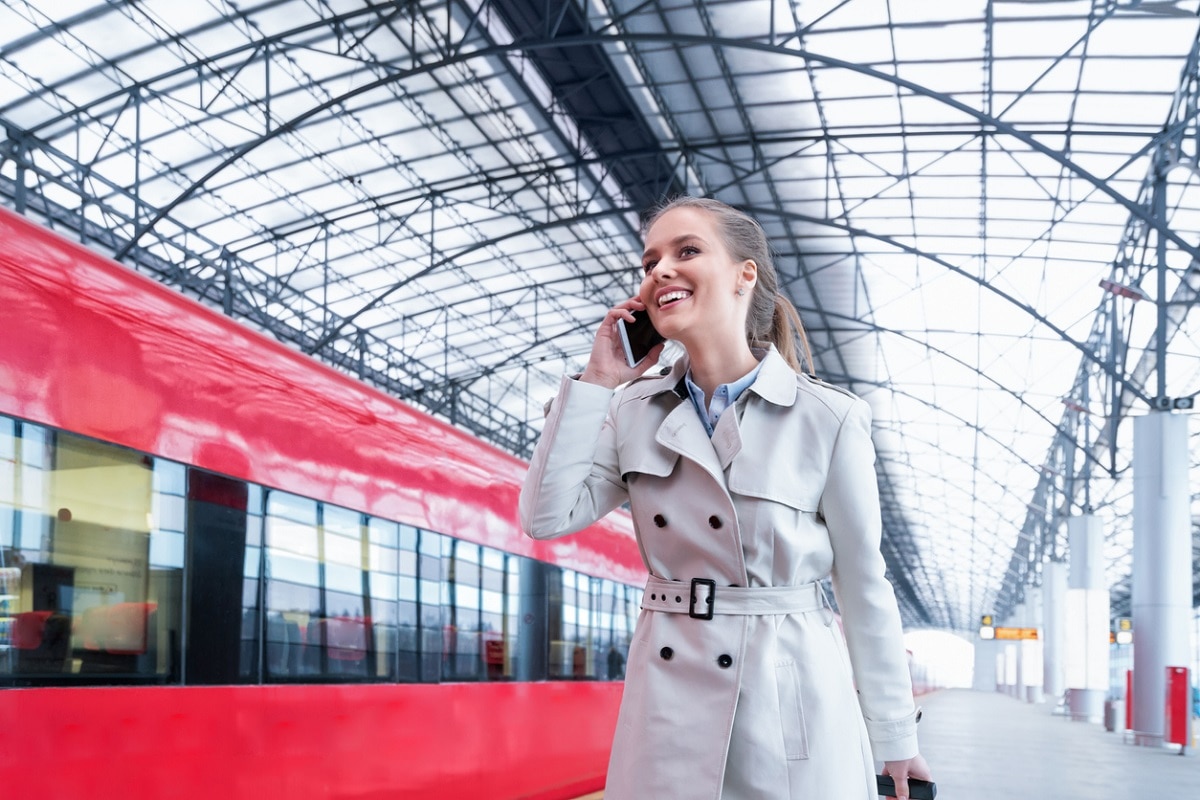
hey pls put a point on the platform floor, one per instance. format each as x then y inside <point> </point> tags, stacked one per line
<point>988,746</point>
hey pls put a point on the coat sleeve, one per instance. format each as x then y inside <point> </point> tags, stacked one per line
<point>870,615</point>
<point>573,479</point>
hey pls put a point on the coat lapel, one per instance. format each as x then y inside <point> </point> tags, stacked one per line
<point>727,438</point>
<point>683,432</point>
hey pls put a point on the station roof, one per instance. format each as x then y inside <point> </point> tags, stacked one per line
<point>444,196</point>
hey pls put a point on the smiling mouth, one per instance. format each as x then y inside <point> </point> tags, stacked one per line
<point>672,297</point>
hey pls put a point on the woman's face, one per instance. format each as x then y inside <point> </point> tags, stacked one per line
<point>690,281</point>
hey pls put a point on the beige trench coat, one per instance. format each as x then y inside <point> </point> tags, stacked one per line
<point>784,493</point>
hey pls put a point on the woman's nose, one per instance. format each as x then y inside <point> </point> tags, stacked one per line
<point>662,269</point>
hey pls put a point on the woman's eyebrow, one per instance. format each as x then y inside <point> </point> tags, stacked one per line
<point>678,240</point>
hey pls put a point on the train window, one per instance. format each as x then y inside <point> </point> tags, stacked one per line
<point>81,599</point>
<point>610,658</point>
<point>331,592</point>
<point>407,620</point>
<point>383,591</point>
<point>569,645</point>
<point>252,640</point>
<point>515,624</point>
<point>537,589</point>
<point>429,605</point>
<point>326,593</point>
<point>462,640</point>
<point>223,567</point>
<point>493,623</point>
<point>292,580</point>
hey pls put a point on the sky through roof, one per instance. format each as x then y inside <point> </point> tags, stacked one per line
<point>444,197</point>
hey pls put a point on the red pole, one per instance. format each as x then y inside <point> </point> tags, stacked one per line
<point>1128,699</point>
<point>1178,711</point>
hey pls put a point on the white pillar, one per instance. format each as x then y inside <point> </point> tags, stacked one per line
<point>985,678</point>
<point>1010,669</point>
<point>1001,666</point>
<point>1017,620</point>
<point>1054,628</point>
<point>1162,565</point>
<point>1087,621</point>
<point>1031,649</point>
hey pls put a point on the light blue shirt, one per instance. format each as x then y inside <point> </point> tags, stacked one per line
<point>724,397</point>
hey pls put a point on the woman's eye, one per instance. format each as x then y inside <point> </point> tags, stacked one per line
<point>688,251</point>
<point>649,265</point>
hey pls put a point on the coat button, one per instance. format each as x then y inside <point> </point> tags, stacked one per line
<point>724,661</point>
<point>660,520</point>
<point>714,521</point>
<point>666,653</point>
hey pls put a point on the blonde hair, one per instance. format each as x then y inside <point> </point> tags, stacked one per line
<point>772,317</point>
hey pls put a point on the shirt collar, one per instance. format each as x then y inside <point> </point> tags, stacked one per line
<point>723,397</point>
<point>732,389</point>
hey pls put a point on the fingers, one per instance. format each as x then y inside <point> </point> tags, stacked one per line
<point>899,776</point>
<point>899,772</point>
<point>650,361</point>
<point>625,309</point>
<point>606,365</point>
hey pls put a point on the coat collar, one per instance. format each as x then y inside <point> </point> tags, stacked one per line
<point>681,429</point>
<point>776,381</point>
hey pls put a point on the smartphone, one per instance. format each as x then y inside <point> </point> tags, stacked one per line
<point>917,788</point>
<point>638,337</point>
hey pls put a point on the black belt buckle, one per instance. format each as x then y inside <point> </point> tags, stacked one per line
<point>712,596</point>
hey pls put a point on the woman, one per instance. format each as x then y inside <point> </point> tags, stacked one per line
<point>748,483</point>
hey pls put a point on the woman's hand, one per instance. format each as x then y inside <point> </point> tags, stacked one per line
<point>901,771</point>
<point>606,366</point>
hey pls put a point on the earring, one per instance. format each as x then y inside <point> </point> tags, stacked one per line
<point>741,291</point>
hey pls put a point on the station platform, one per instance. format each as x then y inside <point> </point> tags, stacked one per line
<point>989,746</point>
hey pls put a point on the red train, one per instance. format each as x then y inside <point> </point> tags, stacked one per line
<point>229,571</point>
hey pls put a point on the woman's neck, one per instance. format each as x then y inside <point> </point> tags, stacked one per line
<point>713,366</point>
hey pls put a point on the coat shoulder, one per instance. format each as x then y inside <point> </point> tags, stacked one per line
<point>838,400</point>
<point>652,383</point>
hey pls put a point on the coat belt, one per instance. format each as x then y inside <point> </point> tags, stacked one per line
<point>703,598</point>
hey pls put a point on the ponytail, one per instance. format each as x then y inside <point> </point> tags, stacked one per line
<point>788,335</point>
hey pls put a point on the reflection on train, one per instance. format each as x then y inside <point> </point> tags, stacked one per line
<point>268,579</point>
<point>280,587</point>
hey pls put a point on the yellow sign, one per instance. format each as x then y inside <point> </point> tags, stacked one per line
<point>986,621</point>
<point>1124,624</point>
<point>1012,634</point>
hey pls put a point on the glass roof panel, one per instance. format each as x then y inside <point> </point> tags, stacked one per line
<point>945,238</point>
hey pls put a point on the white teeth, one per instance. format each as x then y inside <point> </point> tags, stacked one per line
<point>670,297</point>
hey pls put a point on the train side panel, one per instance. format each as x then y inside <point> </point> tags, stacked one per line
<point>314,742</point>
<point>95,349</point>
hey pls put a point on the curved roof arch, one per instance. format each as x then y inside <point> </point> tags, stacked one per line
<point>442,197</point>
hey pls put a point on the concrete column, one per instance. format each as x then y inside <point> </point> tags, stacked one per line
<point>985,677</point>
<point>1017,620</point>
<point>1087,621</point>
<point>1010,669</point>
<point>1031,649</point>
<point>1162,565</point>
<point>1054,629</point>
